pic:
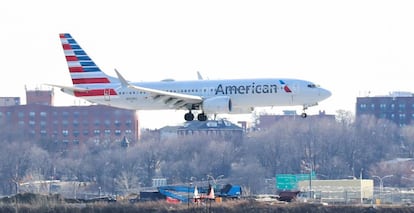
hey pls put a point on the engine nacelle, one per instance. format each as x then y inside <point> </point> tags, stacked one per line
<point>218,104</point>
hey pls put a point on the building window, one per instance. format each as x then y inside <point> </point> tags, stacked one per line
<point>20,114</point>
<point>43,132</point>
<point>402,116</point>
<point>97,132</point>
<point>43,114</point>
<point>65,114</point>
<point>107,131</point>
<point>107,123</point>
<point>117,132</point>
<point>401,106</point>
<point>383,106</point>
<point>65,132</point>
<point>32,114</point>
<point>85,132</point>
<point>362,106</point>
<point>372,106</point>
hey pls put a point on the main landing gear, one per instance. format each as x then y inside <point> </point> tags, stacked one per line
<point>189,116</point>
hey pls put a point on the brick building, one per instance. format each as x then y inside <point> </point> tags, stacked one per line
<point>397,107</point>
<point>39,120</point>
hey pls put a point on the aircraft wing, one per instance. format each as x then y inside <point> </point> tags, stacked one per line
<point>173,100</point>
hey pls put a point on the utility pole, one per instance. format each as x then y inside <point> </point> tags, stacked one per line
<point>360,178</point>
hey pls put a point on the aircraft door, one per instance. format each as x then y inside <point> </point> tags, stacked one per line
<point>107,94</point>
<point>294,88</point>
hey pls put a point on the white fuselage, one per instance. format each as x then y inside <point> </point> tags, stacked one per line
<point>245,94</point>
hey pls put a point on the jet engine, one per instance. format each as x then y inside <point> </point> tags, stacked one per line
<point>218,104</point>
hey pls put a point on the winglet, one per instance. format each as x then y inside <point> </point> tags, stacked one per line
<point>123,81</point>
<point>199,76</point>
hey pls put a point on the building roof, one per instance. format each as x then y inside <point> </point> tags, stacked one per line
<point>209,125</point>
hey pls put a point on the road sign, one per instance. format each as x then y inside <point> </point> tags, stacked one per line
<point>290,181</point>
<point>286,182</point>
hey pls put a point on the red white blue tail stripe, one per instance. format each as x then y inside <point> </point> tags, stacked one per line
<point>84,72</point>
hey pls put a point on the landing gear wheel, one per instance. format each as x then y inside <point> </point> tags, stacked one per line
<point>201,117</point>
<point>189,116</point>
<point>304,115</point>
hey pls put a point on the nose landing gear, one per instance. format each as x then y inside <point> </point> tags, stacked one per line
<point>304,115</point>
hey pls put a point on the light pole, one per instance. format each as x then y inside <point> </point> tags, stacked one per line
<point>310,181</point>
<point>214,179</point>
<point>381,182</point>
<point>360,178</point>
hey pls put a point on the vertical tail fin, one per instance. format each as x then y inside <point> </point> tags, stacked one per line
<point>83,70</point>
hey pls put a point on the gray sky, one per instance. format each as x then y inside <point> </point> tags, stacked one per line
<point>348,47</point>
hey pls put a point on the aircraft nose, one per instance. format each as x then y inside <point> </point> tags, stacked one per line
<point>324,93</point>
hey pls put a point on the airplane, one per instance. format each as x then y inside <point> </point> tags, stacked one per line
<point>207,97</point>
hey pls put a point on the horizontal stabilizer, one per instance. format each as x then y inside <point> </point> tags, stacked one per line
<point>74,89</point>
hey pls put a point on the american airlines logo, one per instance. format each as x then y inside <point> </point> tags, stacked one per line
<point>246,89</point>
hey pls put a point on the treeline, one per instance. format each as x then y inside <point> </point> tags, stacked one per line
<point>333,149</point>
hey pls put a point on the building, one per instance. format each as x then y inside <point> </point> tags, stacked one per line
<point>40,97</point>
<point>339,191</point>
<point>397,107</point>
<point>9,101</point>
<point>216,128</point>
<point>39,120</point>
<point>266,121</point>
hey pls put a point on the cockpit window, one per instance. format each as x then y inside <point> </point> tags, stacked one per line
<point>312,85</point>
